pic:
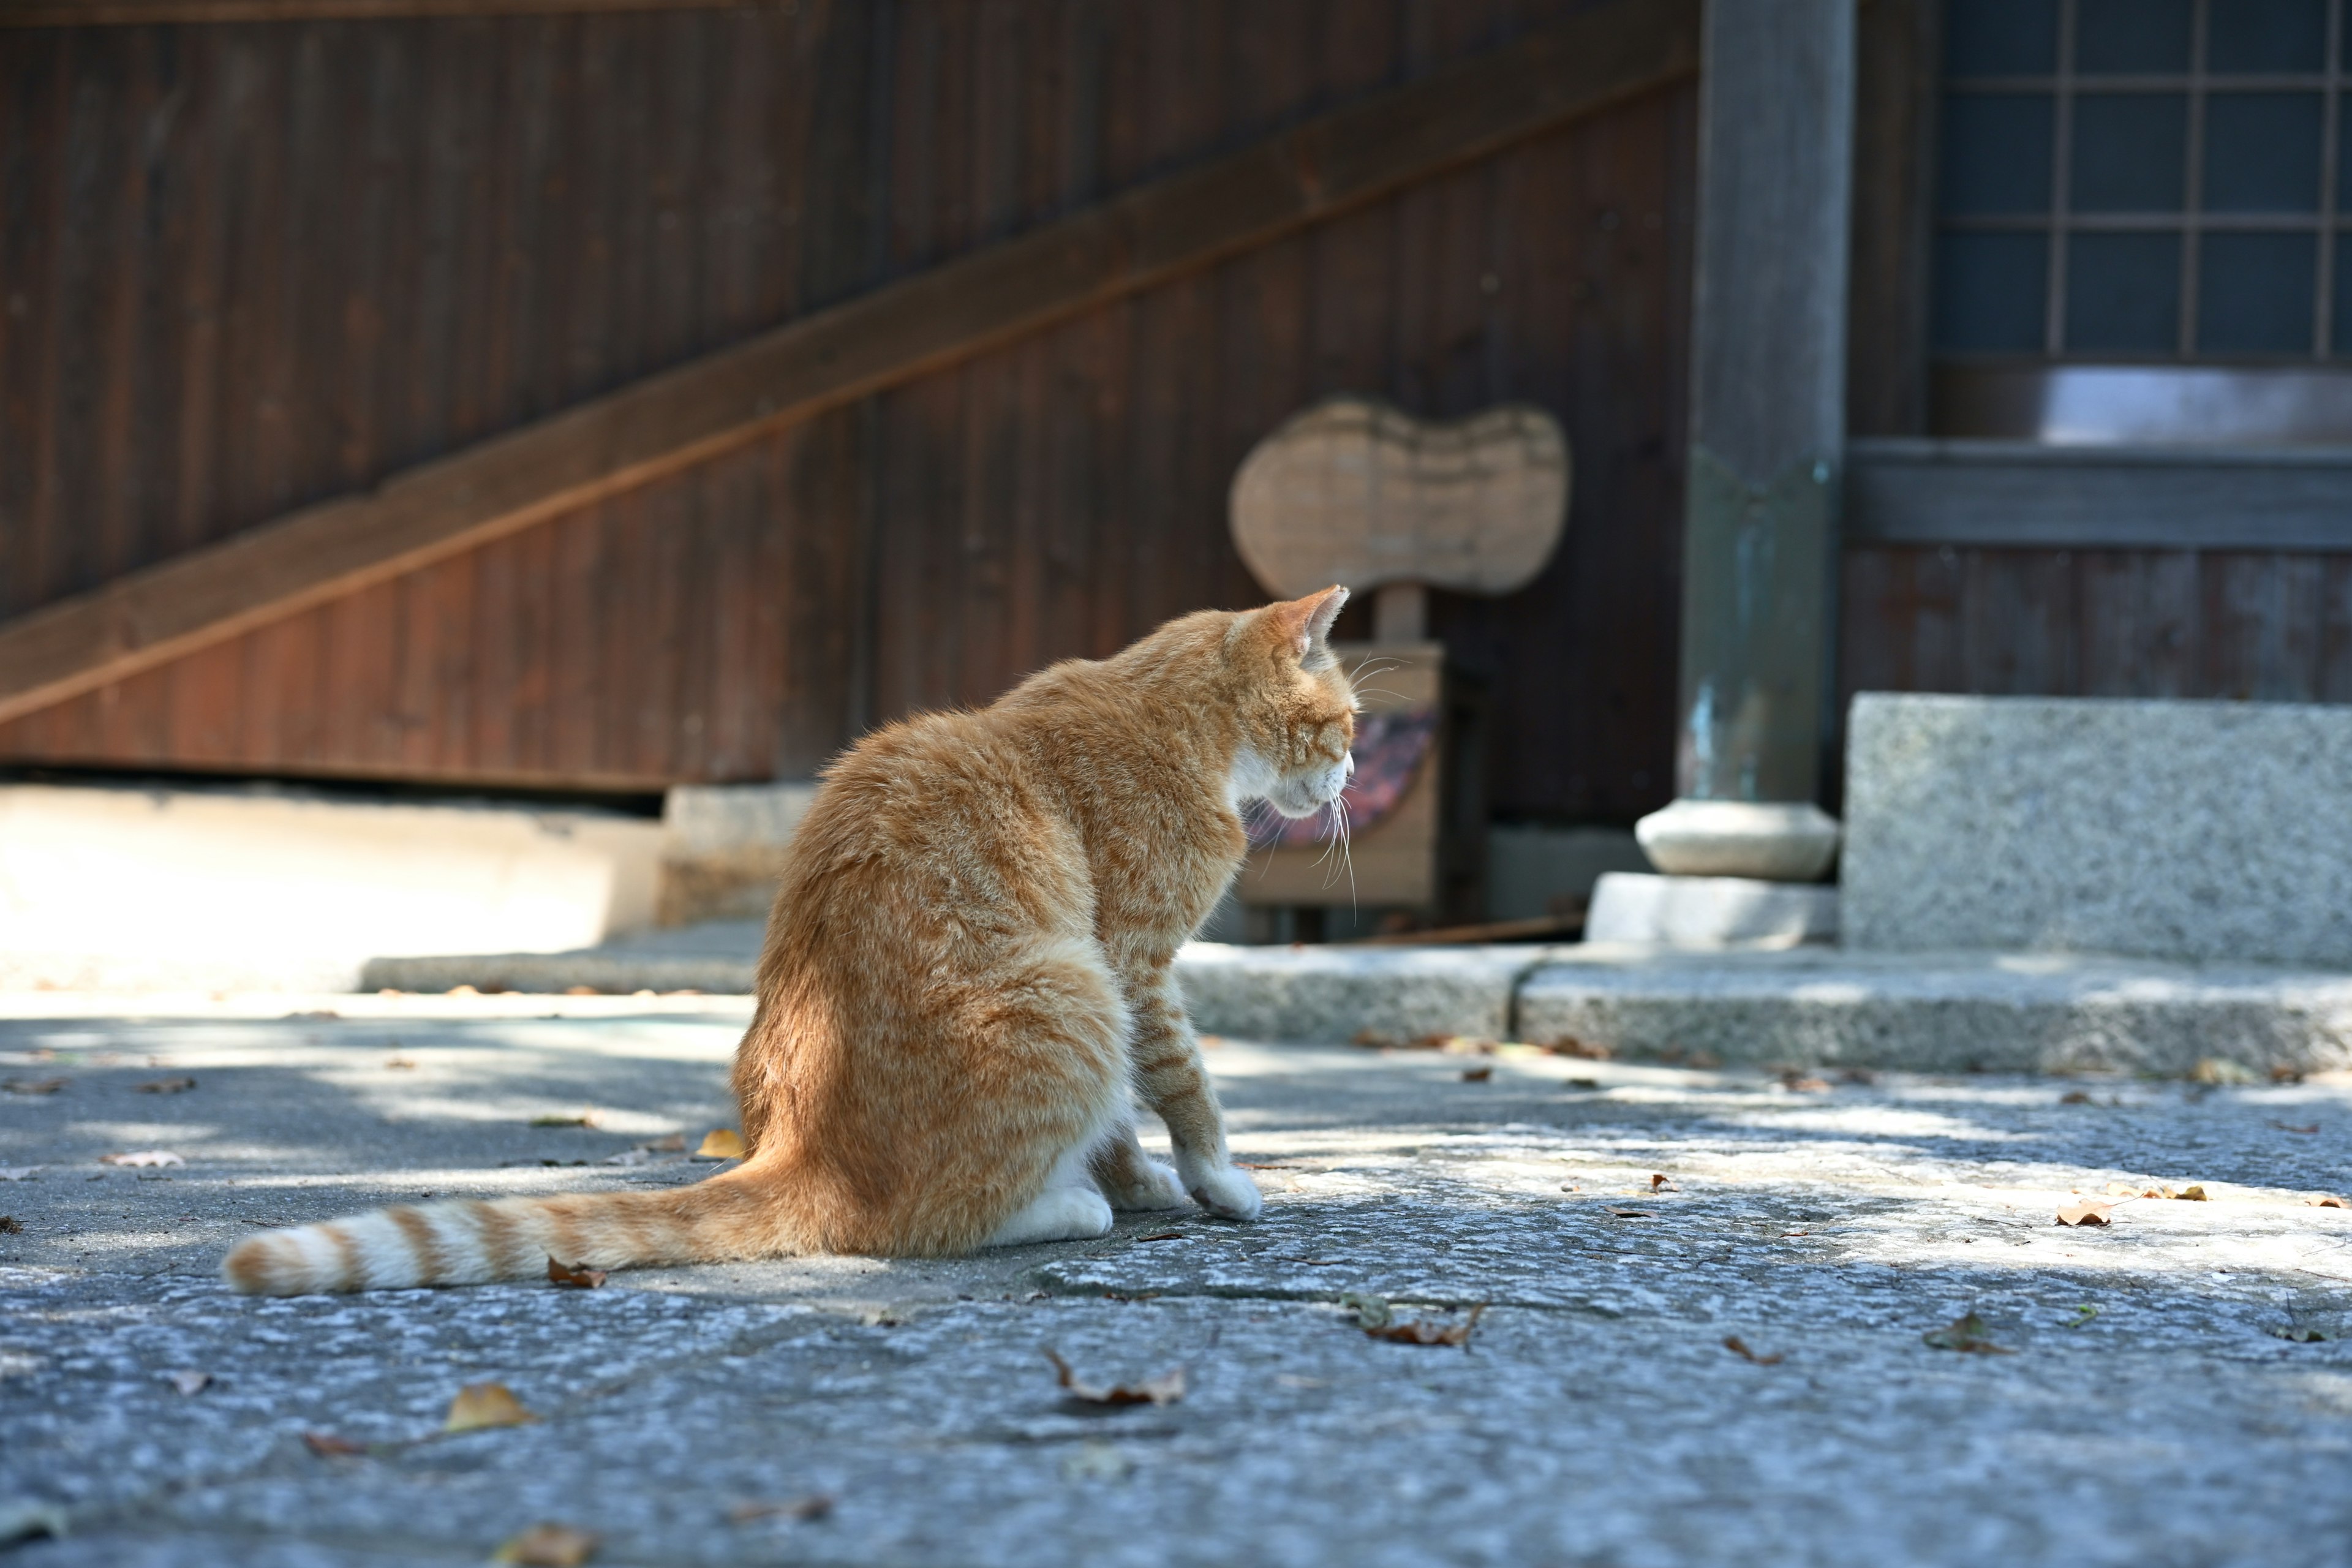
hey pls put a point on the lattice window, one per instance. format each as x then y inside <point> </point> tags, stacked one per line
<point>2145,180</point>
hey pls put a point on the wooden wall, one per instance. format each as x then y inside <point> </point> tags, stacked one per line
<point>246,267</point>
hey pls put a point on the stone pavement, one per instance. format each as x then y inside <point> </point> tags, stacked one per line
<point>2152,1409</point>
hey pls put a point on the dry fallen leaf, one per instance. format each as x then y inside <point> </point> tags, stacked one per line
<point>191,1383</point>
<point>2286,1075</point>
<point>814,1506</point>
<point>479,1405</point>
<point>549,1546</point>
<point>584,1119</point>
<point>399,1063</point>
<point>2192,1193</point>
<point>2085,1213</point>
<point>1738,1347</point>
<point>2330,1202</point>
<point>1582,1050</point>
<point>581,990</point>
<point>1476,1074</point>
<point>1425,1331</point>
<point>1163,1236</point>
<point>1663,1183</point>
<point>2075,1096</point>
<point>461,991</point>
<point>1629,1213</point>
<point>574,1276</point>
<point>142,1157</point>
<point>167,1086</point>
<point>1804,1083</point>
<point>1966,1334</point>
<point>11,1226</point>
<point>32,1085</point>
<point>1372,1039</point>
<point>720,1143</point>
<point>1165,1389</point>
<point>327,1445</point>
<point>2284,1127</point>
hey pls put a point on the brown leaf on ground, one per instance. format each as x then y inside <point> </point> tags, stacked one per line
<point>480,1404</point>
<point>1266,1165</point>
<point>461,991</point>
<point>1629,1213</point>
<point>1966,1334</point>
<point>2330,1202</point>
<point>1804,1083</point>
<point>582,990</point>
<point>167,1086</point>
<point>1663,1183</point>
<point>142,1157</point>
<point>2192,1193</point>
<point>1427,1332</point>
<point>2284,1127</point>
<point>2075,1096</point>
<point>720,1143</point>
<point>399,1063</point>
<point>32,1085</point>
<point>814,1506</point>
<point>2283,1074</point>
<point>2085,1213</point>
<point>1163,1236</point>
<point>1165,1389</point>
<point>1738,1347</point>
<point>1372,1039</point>
<point>1476,1074</point>
<point>191,1383</point>
<point>11,1226</point>
<point>327,1445</point>
<point>1582,1050</point>
<point>583,1118</point>
<point>573,1277</point>
<point>550,1546</point>
<point>1704,1061</point>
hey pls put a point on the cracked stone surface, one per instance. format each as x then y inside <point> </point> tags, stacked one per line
<point>2148,1404</point>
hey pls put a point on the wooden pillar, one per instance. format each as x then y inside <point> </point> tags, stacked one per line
<point>1766,417</point>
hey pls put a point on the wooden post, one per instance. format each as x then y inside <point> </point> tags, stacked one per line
<point>1767,423</point>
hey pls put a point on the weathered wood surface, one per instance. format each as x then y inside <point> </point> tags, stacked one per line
<point>352,246</point>
<point>1895,114</point>
<point>2017,494</point>
<point>151,13</point>
<point>954,311</point>
<point>1357,492</point>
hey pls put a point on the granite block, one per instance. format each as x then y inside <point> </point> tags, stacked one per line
<point>2197,831</point>
<point>1709,912</point>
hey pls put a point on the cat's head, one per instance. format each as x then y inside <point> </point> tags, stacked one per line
<point>1298,711</point>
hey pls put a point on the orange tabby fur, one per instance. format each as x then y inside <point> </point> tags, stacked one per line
<point>966,973</point>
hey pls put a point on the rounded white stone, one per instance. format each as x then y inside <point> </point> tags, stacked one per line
<point>1774,841</point>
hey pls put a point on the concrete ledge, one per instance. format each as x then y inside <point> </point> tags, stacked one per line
<point>1940,1012</point>
<point>718,957</point>
<point>1336,992</point>
<point>1709,912</point>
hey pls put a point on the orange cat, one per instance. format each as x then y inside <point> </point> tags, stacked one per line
<point>966,973</point>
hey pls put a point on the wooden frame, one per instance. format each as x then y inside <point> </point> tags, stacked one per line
<point>2030,496</point>
<point>667,422</point>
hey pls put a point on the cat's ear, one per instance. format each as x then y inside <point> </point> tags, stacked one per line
<point>1307,622</point>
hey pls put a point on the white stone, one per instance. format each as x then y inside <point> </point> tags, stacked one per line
<point>2204,831</point>
<point>1709,912</point>
<point>1778,842</point>
<point>263,889</point>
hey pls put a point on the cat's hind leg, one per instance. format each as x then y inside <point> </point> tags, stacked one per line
<point>1131,1179</point>
<point>1069,1209</point>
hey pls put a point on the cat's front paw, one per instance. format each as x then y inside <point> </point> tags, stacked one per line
<point>1224,1192</point>
<point>1146,1184</point>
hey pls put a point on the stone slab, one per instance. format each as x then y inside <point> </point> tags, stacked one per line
<point>1704,913</point>
<point>1940,1012</point>
<point>243,888</point>
<point>2187,830</point>
<point>1597,1416</point>
<point>723,848</point>
<point>1335,993</point>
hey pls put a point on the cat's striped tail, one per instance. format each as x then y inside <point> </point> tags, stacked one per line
<point>472,1243</point>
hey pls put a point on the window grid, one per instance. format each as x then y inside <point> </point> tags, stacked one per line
<point>2060,223</point>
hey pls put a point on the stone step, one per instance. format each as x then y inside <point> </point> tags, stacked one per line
<point>1810,1006</point>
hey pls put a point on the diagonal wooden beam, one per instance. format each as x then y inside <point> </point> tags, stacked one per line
<point>666,422</point>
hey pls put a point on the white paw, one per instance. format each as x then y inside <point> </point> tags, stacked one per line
<point>1159,1188</point>
<point>1057,1214</point>
<point>1224,1192</point>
